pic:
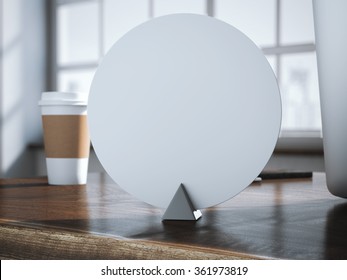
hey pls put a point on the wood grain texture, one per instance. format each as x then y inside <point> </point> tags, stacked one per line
<point>53,244</point>
<point>290,219</point>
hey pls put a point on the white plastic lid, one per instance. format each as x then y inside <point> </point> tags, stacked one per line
<point>51,98</point>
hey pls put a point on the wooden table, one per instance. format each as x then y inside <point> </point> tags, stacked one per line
<point>289,219</point>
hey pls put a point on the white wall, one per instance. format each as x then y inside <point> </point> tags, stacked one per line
<point>22,25</point>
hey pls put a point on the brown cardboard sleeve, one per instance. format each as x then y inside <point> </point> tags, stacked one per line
<point>66,136</point>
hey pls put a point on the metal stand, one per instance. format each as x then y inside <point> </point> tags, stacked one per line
<point>181,207</point>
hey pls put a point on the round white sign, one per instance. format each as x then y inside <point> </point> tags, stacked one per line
<point>185,99</point>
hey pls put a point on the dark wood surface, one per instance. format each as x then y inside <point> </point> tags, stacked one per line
<point>287,219</point>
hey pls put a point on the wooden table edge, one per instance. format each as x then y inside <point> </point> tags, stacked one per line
<point>24,242</point>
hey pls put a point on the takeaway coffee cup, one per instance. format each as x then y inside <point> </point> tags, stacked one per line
<point>66,137</point>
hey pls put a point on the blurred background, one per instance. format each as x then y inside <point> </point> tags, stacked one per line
<point>58,44</point>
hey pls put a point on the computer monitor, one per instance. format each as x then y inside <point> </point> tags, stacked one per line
<point>331,45</point>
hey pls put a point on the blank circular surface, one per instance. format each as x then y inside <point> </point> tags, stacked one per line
<point>184,99</point>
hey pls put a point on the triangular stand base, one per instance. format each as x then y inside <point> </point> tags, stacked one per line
<point>181,207</point>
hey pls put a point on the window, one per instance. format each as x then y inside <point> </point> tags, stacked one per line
<point>120,16</point>
<point>283,29</point>
<point>257,19</point>
<point>165,7</point>
<point>77,42</point>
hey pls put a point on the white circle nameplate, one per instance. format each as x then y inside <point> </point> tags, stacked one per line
<point>185,99</point>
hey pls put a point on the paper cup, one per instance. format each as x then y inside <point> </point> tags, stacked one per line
<point>66,137</point>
